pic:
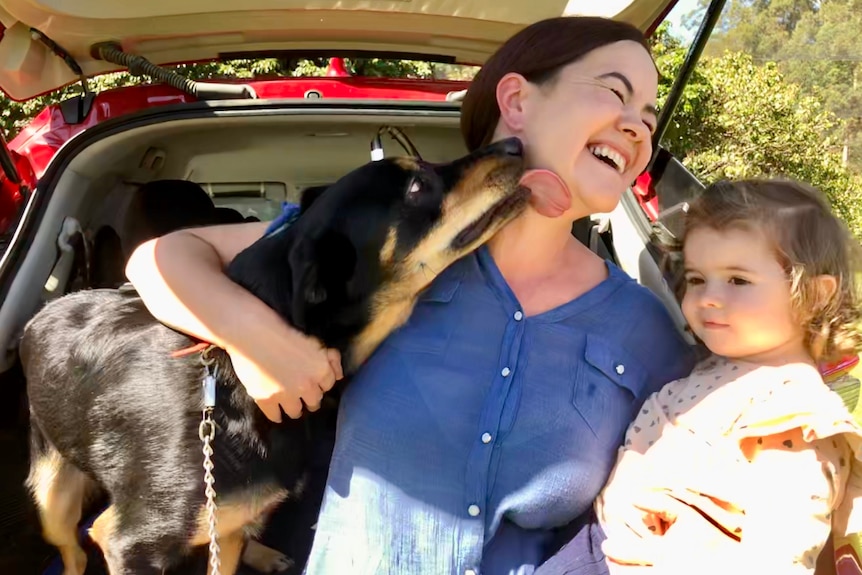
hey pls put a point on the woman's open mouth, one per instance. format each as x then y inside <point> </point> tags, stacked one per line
<point>609,157</point>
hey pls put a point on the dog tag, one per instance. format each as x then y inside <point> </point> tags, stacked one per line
<point>209,384</point>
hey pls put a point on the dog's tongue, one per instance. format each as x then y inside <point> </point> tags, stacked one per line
<point>549,195</point>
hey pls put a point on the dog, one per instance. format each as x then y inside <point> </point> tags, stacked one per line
<point>114,410</point>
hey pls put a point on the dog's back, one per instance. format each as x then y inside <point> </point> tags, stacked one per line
<point>99,371</point>
<point>120,413</point>
<point>124,414</point>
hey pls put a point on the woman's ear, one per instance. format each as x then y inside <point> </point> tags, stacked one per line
<point>512,90</point>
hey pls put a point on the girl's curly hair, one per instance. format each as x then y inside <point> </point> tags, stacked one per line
<point>809,241</point>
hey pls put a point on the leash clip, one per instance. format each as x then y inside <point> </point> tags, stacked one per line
<point>209,385</point>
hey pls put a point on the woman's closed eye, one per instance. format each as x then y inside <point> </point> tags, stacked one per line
<point>618,94</point>
<point>650,124</point>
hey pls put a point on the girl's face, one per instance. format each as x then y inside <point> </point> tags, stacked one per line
<point>737,298</point>
<point>591,126</point>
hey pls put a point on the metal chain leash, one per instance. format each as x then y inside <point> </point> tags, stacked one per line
<point>206,432</point>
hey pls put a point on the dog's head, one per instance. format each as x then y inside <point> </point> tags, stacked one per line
<point>365,247</point>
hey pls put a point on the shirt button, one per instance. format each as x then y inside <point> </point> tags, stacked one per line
<point>621,369</point>
<point>473,510</point>
<point>518,316</point>
<point>486,437</point>
<point>506,371</point>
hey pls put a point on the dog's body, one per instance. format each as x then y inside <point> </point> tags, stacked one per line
<point>112,409</point>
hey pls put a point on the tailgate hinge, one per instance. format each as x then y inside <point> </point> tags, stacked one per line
<point>75,109</point>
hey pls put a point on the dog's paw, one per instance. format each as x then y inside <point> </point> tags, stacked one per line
<point>265,559</point>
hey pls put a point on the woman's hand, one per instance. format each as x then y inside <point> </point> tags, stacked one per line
<point>180,277</point>
<point>286,374</point>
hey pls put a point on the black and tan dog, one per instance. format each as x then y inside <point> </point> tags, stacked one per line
<point>112,410</point>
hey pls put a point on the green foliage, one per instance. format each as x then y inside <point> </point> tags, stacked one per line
<point>739,118</point>
<point>814,43</point>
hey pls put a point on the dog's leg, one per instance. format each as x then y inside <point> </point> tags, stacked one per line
<point>265,559</point>
<point>101,532</point>
<point>59,489</point>
<point>230,552</point>
<point>120,560</point>
<point>236,516</point>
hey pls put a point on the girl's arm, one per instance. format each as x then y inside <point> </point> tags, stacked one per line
<point>181,280</point>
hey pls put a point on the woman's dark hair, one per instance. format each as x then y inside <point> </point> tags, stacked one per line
<point>537,53</point>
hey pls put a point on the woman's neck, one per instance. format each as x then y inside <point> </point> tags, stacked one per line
<point>543,264</point>
<point>533,247</point>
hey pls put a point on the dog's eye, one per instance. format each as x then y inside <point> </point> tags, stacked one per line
<point>413,190</point>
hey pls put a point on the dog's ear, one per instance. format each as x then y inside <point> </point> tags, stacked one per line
<point>322,266</point>
<point>309,195</point>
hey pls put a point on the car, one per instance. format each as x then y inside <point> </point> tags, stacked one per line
<point>74,180</point>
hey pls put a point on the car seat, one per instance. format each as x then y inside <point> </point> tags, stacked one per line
<point>155,209</point>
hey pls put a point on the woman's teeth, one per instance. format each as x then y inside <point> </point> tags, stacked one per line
<point>610,157</point>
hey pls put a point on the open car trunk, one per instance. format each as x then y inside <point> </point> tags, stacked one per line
<point>167,31</point>
<point>246,157</point>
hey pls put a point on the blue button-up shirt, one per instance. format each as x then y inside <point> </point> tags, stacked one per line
<point>474,429</point>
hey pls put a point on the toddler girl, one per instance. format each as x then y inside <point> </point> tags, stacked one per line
<point>748,464</point>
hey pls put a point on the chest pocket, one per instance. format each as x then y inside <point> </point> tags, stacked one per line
<point>428,330</point>
<point>609,385</point>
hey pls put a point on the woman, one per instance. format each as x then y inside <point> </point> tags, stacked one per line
<point>494,415</point>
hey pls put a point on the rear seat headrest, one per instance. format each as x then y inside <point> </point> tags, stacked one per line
<point>167,205</point>
<point>155,209</point>
<point>164,206</point>
<point>228,216</point>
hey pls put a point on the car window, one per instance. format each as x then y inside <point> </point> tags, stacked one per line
<point>777,91</point>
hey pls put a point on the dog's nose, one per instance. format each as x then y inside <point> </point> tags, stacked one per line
<point>512,147</point>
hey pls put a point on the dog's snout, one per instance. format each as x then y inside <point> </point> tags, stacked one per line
<point>508,147</point>
<point>512,147</point>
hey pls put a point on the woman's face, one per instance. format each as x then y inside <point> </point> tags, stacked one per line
<point>592,125</point>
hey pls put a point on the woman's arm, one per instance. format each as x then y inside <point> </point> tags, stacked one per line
<point>181,279</point>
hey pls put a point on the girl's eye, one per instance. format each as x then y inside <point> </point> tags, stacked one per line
<point>739,281</point>
<point>694,281</point>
